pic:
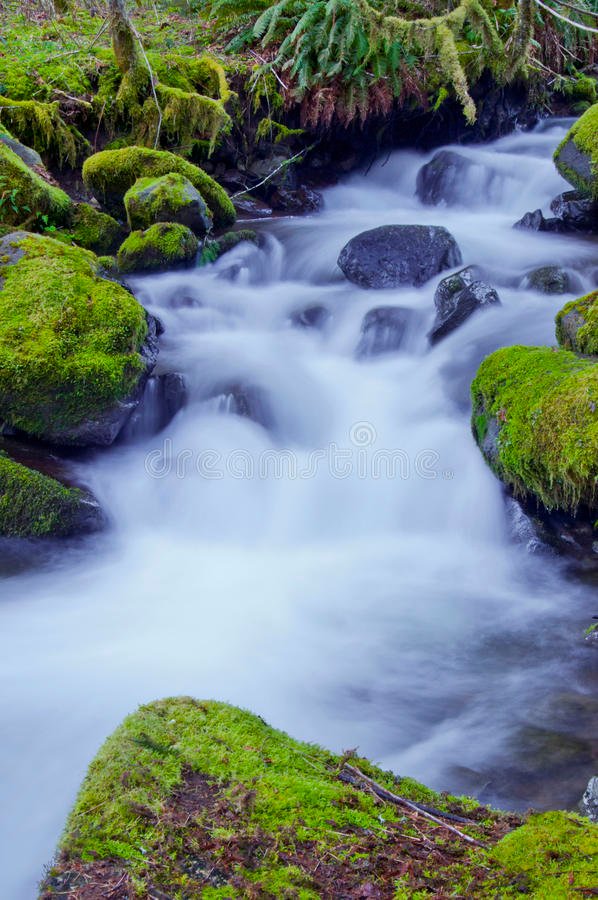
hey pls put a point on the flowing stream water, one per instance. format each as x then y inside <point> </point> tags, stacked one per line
<point>350,568</point>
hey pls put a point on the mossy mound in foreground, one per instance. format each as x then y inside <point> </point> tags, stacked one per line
<point>201,799</point>
<point>74,348</point>
<point>35,505</point>
<point>577,325</point>
<point>110,174</point>
<point>535,417</point>
<point>162,246</point>
<point>576,157</point>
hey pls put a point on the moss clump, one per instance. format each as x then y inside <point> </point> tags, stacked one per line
<point>25,195</point>
<point>110,174</point>
<point>69,340</point>
<point>169,198</point>
<point>95,230</point>
<point>213,250</point>
<point>201,799</point>
<point>164,245</point>
<point>39,125</point>
<point>557,853</point>
<point>34,505</point>
<point>535,416</point>
<point>577,325</point>
<point>576,157</point>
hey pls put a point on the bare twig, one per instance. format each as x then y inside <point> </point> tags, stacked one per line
<point>152,83</point>
<point>354,776</point>
<point>283,165</point>
<point>557,15</point>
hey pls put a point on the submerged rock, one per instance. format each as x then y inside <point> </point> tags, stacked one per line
<point>383,330</point>
<point>395,255</point>
<point>453,179</point>
<point>457,298</point>
<point>164,396</point>
<point>314,316</point>
<point>589,801</point>
<point>162,246</point>
<point>168,198</point>
<point>75,349</point>
<point>35,505</point>
<point>246,400</point>
<point>110,173</point>
<point>576,157</point>
<point>549,280</point>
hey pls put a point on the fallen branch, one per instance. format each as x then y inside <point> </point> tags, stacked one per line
<point>283,165</point>
<point>557,15</point>
<point>357,778</point>
<point>152,83</point>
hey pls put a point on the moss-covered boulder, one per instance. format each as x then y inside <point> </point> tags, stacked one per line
<point>576,157</point>
<point>535,418</point>
<point>110,173</point>
<point>75,349</point>
<point>35,505</point>
<point>214,249</point>
<point>26,194</point>
<point>169,198</point>
<point>201,799</point>
<point>165,245</point>
<point>94,230</point>
<point>577,325</point>
<point>30,157</point>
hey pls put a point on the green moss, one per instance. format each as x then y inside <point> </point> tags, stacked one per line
<point>584,136</point>
<point>270,130</point>
<point>34,505</point>
<point>186,790</point>
<point>94,230</point>
<point>111,173</point>
<point>31,194</point>
<point>164,245</point>
<point>169,198</point>
<point>557,851</point>
<point>577,325</point>
<point>544,405</point>
<point>214,249</point>
<point>69,340</point>
<point>39,125</point>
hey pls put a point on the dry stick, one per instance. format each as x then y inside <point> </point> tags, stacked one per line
<point>402,801</point>
<point>266,63</point>
<point>557,15</point>
<point>287,162</point>
<point>579,9</point>
<point>152,82</point>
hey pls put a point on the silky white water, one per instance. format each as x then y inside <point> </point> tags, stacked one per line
<point>352,572</point>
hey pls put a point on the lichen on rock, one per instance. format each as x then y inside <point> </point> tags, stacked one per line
<point>577,325</point>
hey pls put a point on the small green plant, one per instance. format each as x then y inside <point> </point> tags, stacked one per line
<point>9,199</point>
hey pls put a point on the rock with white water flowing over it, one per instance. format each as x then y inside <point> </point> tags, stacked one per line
<point>383,330</point>
<point>454,180</point>
<point>589,801</point>
<point>395,255</point>
<point>550,280</point>
<point>314,316</point>
<point>163,397</point>
<point>457,298</point>
<point>576,211</point>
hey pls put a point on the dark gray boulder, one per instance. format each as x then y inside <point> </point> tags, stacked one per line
<point>550,280</point>
<point>457,298</point>
<point>589,801</point>
<point>576,211</point>
<point>535,221</point>
<point>454,180</point>
<point>29,156</point>
<point>383,330</point>
<point>395,255</point>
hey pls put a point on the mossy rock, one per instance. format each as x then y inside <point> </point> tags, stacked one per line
<point>201,799</point>
<point>165,245</point>
<point>110,174</point>
<point>576,157</point>
<point>213,250</point>
<point>577,325</point>
<point>535,418</point>
<point>75,349</point>
<point>27,193</point>
<point>169,198</point>
<point>30,157</point>
<point>35,505</point>
<point>94,230</point>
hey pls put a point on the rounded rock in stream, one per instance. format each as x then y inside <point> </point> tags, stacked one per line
<point>395,255</point>
<point>453,179</point>
<point>457,298</point>
<point>383,330</point>
<point>549,280</point>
